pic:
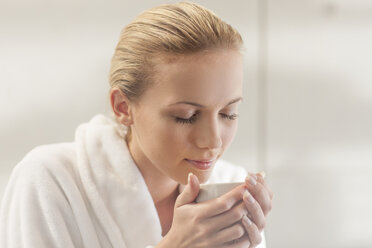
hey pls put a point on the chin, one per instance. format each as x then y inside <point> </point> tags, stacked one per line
<point>203,179</point>
<point>203,176</point>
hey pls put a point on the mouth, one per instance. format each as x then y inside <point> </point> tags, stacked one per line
<point>201,165</point>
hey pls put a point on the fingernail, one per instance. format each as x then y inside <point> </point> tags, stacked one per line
<point>253,175</point>
<point>247,220</point>
<point>252,181</point>
<point>248,197</point>
<point>189,178</point>
<point>263,174</point>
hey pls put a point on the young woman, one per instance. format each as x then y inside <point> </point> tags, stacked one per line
<point>131,181</point>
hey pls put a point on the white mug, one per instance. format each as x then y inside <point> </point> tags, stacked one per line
<point>214,190</point>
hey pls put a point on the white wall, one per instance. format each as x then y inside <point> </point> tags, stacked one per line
<point>305,119</point>
<point>319,122</point>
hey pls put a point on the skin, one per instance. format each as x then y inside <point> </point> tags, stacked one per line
<point>165,133</point>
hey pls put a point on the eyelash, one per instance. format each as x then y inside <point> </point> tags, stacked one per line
<point>192,119</point>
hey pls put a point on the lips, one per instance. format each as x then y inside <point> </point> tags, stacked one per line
<point>201,164</point>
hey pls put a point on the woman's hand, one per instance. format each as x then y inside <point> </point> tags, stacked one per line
<point>214,223</point>
<point>258,201</point>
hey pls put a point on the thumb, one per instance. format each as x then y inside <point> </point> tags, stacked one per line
<point>190,192</point>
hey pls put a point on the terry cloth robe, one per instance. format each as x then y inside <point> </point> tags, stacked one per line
<point>88,193</point>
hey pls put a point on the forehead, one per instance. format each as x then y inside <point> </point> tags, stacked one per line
<point>208,77</point>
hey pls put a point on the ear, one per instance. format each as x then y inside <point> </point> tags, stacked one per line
<point>121,106</point>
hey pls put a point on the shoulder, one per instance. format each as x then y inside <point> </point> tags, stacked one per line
<point>225,171</point>
<point>45,168</point>
<point>44,178</point>
<point>39,197</point>
<point>48,159</point>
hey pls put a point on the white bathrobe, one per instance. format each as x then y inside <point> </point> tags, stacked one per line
<point>88,193</point>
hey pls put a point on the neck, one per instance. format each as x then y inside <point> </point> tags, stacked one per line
<point>162,188</point>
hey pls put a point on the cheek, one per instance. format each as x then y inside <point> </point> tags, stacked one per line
<point>164,141</point>
<point>228,134</point>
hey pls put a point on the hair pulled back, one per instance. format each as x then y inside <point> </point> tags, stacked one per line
<point>172,29</point>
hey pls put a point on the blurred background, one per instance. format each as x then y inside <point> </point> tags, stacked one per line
<point>306,119</point>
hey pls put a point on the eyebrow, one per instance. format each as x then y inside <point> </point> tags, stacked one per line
<point>202,106</point>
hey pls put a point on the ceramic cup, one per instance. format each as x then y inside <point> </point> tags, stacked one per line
<point>214,190</point>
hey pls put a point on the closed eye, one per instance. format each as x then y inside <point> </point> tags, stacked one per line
<point>230,117</point>
<point>193,118</point>
<point>186,121</point>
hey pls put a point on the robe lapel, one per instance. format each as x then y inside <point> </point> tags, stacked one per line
<point>115,187</point>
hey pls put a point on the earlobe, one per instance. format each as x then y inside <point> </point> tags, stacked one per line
<point>121,106</point>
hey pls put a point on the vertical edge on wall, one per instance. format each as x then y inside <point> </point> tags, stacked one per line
<point>262,60</point>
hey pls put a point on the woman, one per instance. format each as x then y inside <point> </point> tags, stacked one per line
<point>176,83</point>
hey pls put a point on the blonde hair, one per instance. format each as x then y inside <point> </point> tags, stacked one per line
<point>172,29</point>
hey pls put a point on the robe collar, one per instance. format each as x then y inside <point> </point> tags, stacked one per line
<point>114,186</point>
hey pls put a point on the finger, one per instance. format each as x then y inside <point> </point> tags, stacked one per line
<point>228,234</point>
<point>242,242</point>
<point>254,210</point>
<point>252,231</point>
<point>259,192</point>
<point>228,218</point>
<point>261,179</point>
<point>223,203</point>
<point>262,174</point>
<point>190,192</point>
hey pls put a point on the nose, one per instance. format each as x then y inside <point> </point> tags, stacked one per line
<point>208,135</point>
